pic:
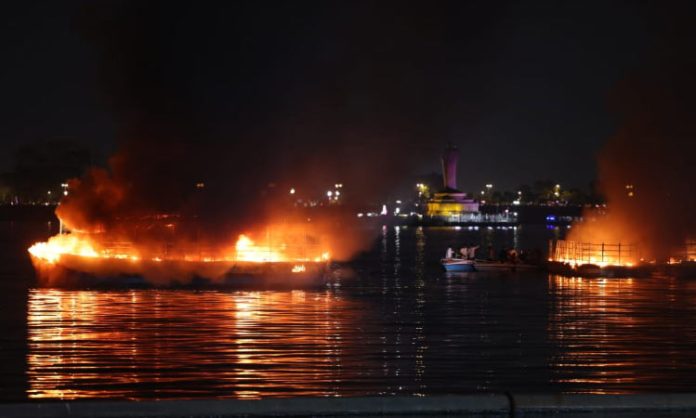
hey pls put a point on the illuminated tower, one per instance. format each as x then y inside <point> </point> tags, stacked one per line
<point>449,167</point>
<point>450,204</point>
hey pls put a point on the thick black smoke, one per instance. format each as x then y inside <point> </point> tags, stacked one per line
<point>249,94</point>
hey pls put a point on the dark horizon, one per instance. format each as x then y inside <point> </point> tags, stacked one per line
<point>365,94</point>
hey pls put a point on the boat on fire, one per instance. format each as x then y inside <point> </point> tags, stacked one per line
<point>75,260</point>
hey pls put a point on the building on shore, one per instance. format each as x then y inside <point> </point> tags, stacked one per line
<point>451,204</point>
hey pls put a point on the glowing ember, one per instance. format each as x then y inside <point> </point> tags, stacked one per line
<point>299,268</point>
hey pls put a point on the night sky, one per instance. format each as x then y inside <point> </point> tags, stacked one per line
<point>367,93</point>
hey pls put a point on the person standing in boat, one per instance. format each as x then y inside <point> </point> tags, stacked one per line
<point>449,253</point>
<point>471,252</point>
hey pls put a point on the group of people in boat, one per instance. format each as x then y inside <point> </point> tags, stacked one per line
<point>506,255</point>
<point>467,252</point>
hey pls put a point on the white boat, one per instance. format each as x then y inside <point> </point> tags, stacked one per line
<point>457,264</point>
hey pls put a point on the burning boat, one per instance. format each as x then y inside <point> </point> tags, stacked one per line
<point>282,260</point>
<point>587,259</point>
<point>575,258</point>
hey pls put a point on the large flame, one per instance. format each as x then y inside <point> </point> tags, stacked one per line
<point>100,255</point>
<point>51,250</point>
<point>245,249</point>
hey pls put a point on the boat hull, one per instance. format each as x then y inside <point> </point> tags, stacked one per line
<point>593,270</point>
<point>498,266</point>
<point>454,265</point>
<point>77,271</point>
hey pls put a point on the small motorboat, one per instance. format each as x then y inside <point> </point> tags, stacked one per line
<point>492,265</point>
<point>457,264</point>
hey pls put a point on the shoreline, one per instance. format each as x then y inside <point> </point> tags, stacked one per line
<point>503,405</point>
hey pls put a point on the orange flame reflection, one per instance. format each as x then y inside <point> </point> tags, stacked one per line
<point>170,344</point>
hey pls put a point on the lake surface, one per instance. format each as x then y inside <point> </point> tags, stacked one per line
<point>391,323</point>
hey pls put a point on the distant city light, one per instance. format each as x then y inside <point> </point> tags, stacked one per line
<point>629,190</point>
<point>292,190</point>
<point>329,193</point>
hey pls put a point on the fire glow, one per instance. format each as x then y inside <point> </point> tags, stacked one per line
<point>576,254</point>
<point>99,255</point>
<point>246,250</point>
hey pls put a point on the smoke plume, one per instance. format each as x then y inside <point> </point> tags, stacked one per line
<point>646,169</point>
<point>221,110</point>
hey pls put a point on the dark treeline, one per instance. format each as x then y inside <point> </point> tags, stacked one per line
<point>40,168</point>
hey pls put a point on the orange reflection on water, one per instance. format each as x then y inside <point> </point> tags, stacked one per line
<point>165,343</point>
<point>606,342</point>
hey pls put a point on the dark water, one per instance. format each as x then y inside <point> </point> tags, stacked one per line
<point>395,324</point>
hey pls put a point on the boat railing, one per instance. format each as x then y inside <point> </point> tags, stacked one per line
<point>592,253</point>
